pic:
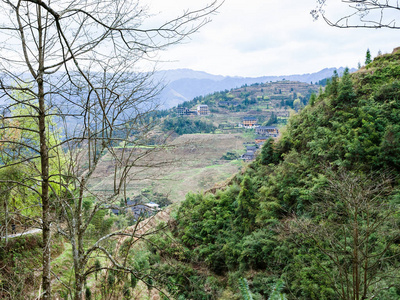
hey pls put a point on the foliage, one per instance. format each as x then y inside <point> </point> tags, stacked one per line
<point>17,260</point>
<point>183,125</point>
<point>281,217</point>
<point>244,289</point>
<point>272,120</point>
<point>368,59</point>
<point>230,156</point>
<point>276,291</point>
<point>268,154</point>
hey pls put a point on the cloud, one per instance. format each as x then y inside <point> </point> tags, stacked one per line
<point>269,37</point>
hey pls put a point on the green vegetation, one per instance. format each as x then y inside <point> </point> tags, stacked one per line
<point>184,125</point>
<point>316,214</point>
<point>268,102</point>
<point>19,257</point>
<point>368,59</point>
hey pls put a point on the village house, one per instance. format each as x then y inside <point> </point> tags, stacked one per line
<point>138,210</point>
<point>183,111</point>
<point>267,131</point>
<point>251,148</point>
<point>250,153</point>
<point>202,110</point>
<point>248,156</point>
<point>249,122</point>
<point>260,140</point>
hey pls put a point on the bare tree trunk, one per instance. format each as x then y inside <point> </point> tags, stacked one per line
<point>6,220</point>
<point>361,203</point>
<point>79,280</point>
<point>44,162</point>
<point>356,282</point>
<point>45,197</point>
<point>60,53</point>
<point>46,283</point>
<point>79,251</point>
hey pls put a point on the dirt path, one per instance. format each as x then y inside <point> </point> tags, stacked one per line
<point>32,231</point>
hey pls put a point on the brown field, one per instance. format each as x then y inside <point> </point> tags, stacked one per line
<point>190,163</point>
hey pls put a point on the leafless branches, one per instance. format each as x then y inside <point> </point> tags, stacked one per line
<point>359,13</point>
<point>71,95</point>
<point>355,227</point>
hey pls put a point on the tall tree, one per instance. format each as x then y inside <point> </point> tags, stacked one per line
<point>356,231</point>
<point>334,84</point>
<point>368,59</point>
<point>268,155</point>
<point>70,60</point>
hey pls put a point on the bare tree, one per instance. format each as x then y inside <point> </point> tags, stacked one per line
<point>69,68</point>
<point>355,228</point>
<point>359,13</point>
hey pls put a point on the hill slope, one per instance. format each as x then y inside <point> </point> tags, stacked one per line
<point>270,103</point>
<point>317,211</point>
<point>184,84</point>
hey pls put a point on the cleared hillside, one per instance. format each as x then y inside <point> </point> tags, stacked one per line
<point>191,162</point>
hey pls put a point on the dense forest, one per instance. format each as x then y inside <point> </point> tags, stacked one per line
<point>314,217</point>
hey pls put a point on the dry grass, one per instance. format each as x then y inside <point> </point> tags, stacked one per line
<point>191,163</point>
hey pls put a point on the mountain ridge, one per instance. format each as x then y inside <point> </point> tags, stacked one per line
<point>184,84</point>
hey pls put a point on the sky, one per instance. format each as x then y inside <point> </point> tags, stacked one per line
<point>268,37</point>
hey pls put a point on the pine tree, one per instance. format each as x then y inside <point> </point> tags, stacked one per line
<point>312,100</point>
<point>335,83</point>
<point>346,92</point>
<point>368,59</point>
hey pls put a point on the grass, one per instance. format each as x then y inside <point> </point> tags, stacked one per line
<point>196,165</point>
<point>62,266</point>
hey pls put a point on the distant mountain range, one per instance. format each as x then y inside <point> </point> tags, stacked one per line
<point>185,84</point>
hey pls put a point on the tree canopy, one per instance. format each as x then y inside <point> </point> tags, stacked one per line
<point>317,209</point>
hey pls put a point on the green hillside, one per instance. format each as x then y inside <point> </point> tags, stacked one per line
<point>316,216</point>
<point>271,103</point>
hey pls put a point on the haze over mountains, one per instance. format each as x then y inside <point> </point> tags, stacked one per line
<point>185,84</point>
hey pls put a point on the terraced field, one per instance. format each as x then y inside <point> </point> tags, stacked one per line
<point>192,162</point>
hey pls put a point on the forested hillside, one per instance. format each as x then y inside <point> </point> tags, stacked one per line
<point>316,216</point>
<point>271,103</point>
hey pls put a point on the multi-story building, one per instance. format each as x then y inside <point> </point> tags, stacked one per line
<point>249,122</point>
<point>202,110</point>
<point>267,131</point>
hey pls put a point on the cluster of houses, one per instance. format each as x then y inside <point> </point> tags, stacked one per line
<point>263,134</point>
<point>251,122</point>
<point>202,110</point>
<point>250,153</point>
<point>138,210</point>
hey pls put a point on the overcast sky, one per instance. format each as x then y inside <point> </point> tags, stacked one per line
<point>268,37</point>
